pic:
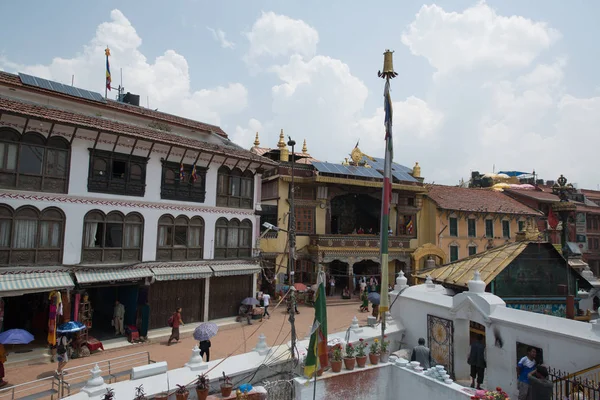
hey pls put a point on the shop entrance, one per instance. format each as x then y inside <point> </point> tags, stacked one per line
<point>102,301</point>
<point>166,296</point>
<point>29,312</point>
<point>227,293</point>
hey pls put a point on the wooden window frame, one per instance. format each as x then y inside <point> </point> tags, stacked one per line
<point>455,234</point>
<point>472,250</point>
<point>100,181</point>
<point>13,255</point>
<point>457,252</point>
<point>225,228</point>
<point>103,254</point>
<point>226,193</point>
<point>174,252</point>
<point>44,181</point>
<point>474,222</point>
<point>310,220</point>
<point>188,190</point>
<point>505,224</point>
<point>487,235</point>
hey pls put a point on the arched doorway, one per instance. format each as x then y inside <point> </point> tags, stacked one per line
<point>338,270</point>
<point>349,212</point>
<point>365,270</point>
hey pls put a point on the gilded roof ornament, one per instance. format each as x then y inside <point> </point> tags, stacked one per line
<point>304,148</point>
<point>281,144</point>
<point>256,141</point>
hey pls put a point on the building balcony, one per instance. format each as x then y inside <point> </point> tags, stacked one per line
<point>362,242</point>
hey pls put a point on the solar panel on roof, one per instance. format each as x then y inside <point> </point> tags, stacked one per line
<point>59,87</point>
<point>338,169</point>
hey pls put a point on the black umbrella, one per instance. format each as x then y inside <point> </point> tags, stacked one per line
<point>250,301</point>
<point>374,298</point>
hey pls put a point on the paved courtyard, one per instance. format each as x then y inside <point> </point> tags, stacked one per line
<point>238,338</point>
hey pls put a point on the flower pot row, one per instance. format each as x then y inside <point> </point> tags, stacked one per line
<point>350,362</point>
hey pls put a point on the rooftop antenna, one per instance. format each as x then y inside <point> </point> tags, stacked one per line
<point>73,80</point>
<point>148,101</point>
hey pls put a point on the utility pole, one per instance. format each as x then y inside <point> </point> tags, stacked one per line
<point>292,254</point>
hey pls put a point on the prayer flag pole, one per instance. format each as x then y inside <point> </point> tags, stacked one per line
<point>387,74</point>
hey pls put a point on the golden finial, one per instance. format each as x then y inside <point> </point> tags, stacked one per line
<point>107,52</point>
<point>388,66</point>
<point>284,153</point>
<point>256,141</point>
<point>281,142</point>
<point>416,172</point>
<point>356,155</point>
<point>304,149</point>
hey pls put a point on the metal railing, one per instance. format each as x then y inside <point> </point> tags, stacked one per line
<point>581,385</point>
<point>73,379</point>
<point>46,388</point>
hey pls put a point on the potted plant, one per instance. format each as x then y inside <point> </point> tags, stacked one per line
<point>498,394</point>
<point>162,396</point>
<point>384,352</point>
<point>139,393</point>
<point>349,360</point>
<point>202,386</point>
<point>226,386</point>
<point>182,392</point>
<point>361,357</point>
<point>336,359</point>
<point>374,352</point>
<point>109,395</point>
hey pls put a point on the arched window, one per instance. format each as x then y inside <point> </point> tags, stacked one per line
<point>113,237</point>
<point>180,238</point>
<point>233,239</point>
<point>234,188</point>
<point>33,162</point>
<point>28,236</point>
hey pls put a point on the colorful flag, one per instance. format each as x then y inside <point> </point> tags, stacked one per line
<point>108,77</point>
<point>387,199</point>
<point>552,220</point>
<point>409,226</point>
<point>181,173</point>
<point>317,356</point>
<point>194,176</point>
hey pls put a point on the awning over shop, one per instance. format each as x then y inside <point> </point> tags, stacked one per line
<point>235,269</point>
<point>181,271</point>
<point>22,281</point>
<point>111,275</point>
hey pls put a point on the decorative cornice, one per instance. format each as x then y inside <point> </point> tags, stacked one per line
<point>69,199</point>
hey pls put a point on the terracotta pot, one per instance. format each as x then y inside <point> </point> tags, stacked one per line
<point>336,366</point>
<point>384,357</point>
<point>162,396</point>
<point>202,394</point>
<point>349,363</point>
<point>320,372</point>
<point>361,361</point>
<point>226,389</point>
<point>374,358</point>
<point>182,396</point>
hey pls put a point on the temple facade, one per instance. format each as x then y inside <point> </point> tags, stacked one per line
<point>337,214</point>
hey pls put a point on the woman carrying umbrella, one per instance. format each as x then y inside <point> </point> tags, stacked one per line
<point>365,302</point>
<point>62,353</point>
<point>203,333</point>
<point>11,336</point>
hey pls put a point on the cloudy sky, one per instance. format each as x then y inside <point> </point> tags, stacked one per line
<point>510,84</point>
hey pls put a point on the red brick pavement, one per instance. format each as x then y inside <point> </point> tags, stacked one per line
<point>276,329</point>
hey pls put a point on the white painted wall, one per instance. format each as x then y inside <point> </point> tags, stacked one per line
<point>79,201</point>
<point>567,344</point>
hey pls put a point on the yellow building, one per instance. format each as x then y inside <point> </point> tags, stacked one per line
<point>337,210</point>
<point>459,222</point>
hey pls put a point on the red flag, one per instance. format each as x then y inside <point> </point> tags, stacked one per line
<point>552,220</point>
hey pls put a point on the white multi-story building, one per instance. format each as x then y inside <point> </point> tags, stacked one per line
<point>119,202</point>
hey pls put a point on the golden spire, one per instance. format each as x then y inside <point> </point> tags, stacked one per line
<point>416,172</point>
<point>256,141</point>
<point>304,149</point>
<point>284,153</point>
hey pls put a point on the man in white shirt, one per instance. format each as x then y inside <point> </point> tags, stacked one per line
<point>266,301</point>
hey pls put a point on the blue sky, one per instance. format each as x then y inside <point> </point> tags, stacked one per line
<point>505,83</point>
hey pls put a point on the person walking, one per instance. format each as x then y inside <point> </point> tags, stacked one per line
<point>332,287</point>
<point>118,315</point>
<point>524,367</point>
<point>62,352</point>
<point>175,321</point>
<point>477,361</point>
<point>266,301</point>
<point>540,386</point>
<point>205,349</point>
<point>422,354</point>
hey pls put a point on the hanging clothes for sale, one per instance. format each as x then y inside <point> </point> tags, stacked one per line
<point>66,304</point>
<point>55,307</point>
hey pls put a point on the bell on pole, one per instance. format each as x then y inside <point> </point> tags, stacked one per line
<point>388,66</point>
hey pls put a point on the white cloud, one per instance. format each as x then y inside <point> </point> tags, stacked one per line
<point>166,80</point>
<point>274,35</point>
<point>219,36</point>
<point>245,136</point>
<point>476,37</point>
